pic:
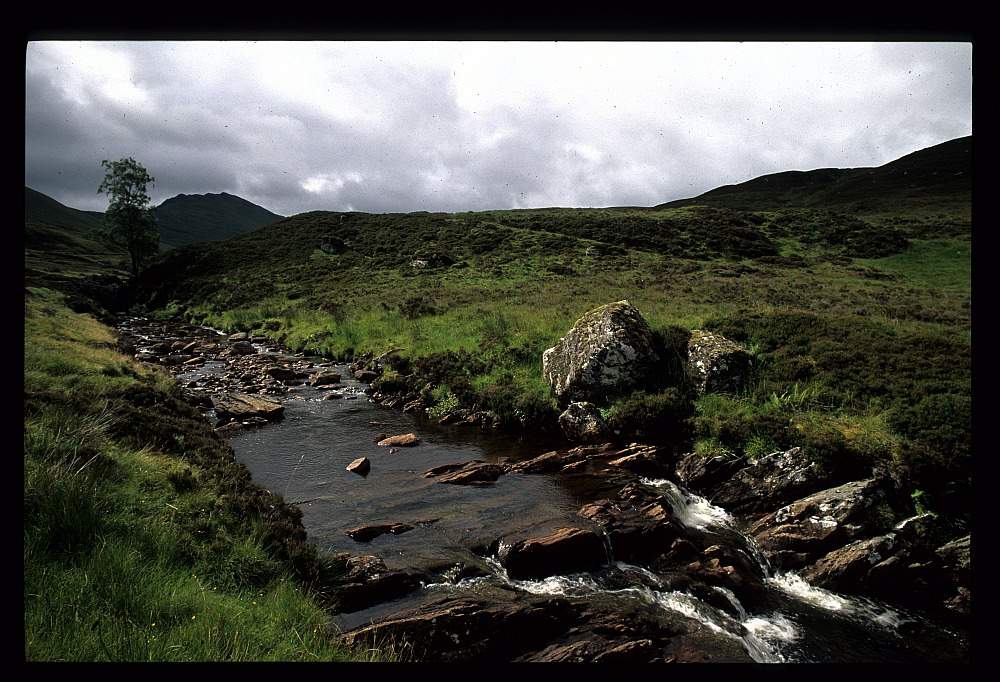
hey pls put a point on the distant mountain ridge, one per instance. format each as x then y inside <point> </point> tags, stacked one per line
<point>184,219</point>
<point>936,174</point>
<point>196,218</point>
<point>939,176</point>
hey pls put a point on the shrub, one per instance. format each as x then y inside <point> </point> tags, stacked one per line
<point>662,418</point>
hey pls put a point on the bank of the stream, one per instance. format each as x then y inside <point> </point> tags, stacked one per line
<point>144,539</point>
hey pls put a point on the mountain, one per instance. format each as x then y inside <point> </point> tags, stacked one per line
<point>184,219</point>
<point>44,209</point>
<point>939,176</point>
<point>196,218</point>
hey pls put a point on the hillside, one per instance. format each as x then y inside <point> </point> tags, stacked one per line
<point>184,219</point>
<point>195,218</point>
<point>939,176</point>
<point>44,209</point>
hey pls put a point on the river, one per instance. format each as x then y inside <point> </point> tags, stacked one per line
<point>304,458</point>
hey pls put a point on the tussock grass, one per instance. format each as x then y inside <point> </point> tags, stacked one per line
<point>130,553</point>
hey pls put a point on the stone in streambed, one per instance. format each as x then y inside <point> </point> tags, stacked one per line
<point>408,439</point>
<point>360,466</point>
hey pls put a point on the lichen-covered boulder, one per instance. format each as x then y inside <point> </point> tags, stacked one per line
<point>715,363</point>
<point>608,351</point>
<point>582,422</point>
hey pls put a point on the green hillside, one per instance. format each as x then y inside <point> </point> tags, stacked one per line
<point>859,311</point>
<point>184,219</point>
<point>939,178</point>
<point>44,209</point>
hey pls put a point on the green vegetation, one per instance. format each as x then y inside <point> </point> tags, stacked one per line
<point>861,329</point>
<point>144,540</point>
<point>129,220</point>
<point>855,300</point>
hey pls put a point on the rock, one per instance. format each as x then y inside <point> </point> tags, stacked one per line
<point>724,566</point>
<point>502,625</point>
<point>608,351</point>
<point>567,550</point>
<point>583,422</point>
<point>474,472</point>
<point>373,530</point>
<point>846,569</point>
<point>701,472</point>
<point>241,407</point>
<point>639,526</point>
<point>325,378</point>
<point>407,439</point>
<point>242,348</point>
<point>360,466</point>
<point>715,363</point>
<point>769,482</point>
<point>807,529</point>
<point>282,373</point>
<point>458,628</point>
<point>642,460</point>
<point>368,581</point>
<point>546,463</point>
<point>366,375</point>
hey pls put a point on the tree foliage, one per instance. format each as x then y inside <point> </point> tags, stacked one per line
<point>129,219</point>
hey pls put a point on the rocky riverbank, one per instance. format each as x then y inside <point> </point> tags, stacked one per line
<point>857,536</point>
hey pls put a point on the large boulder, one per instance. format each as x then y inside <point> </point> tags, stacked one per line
<point>608,351</point>
<point>760,486</point>
<point>804,531</point>
<point>715,363</point>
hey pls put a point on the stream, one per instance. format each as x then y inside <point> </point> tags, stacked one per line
<point>304,457</point>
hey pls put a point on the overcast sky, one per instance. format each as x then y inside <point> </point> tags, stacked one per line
<point>392,126</point>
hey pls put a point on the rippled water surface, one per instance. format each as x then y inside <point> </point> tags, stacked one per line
<point>304,458</point>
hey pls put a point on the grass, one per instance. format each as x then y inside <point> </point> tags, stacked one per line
<point>846,315</point>
<point>143,544</point>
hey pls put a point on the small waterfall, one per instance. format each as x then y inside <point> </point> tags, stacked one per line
<point>703,518</point>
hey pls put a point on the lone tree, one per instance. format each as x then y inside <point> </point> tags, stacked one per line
<point>129,220</point>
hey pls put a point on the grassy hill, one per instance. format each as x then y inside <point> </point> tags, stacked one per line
<point>937,178</point>
<point>44,209</point>
<point>860,317</point>
<point>856,298</point>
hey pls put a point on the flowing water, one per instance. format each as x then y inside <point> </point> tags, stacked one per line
<point>304,458</point>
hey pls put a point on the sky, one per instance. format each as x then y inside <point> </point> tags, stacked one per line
<point>390,126</point>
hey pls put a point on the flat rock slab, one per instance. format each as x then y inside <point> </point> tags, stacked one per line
<point>237,407</point>
<point>407,439</point>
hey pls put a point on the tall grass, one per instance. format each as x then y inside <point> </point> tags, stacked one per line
<point>128,553</point>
